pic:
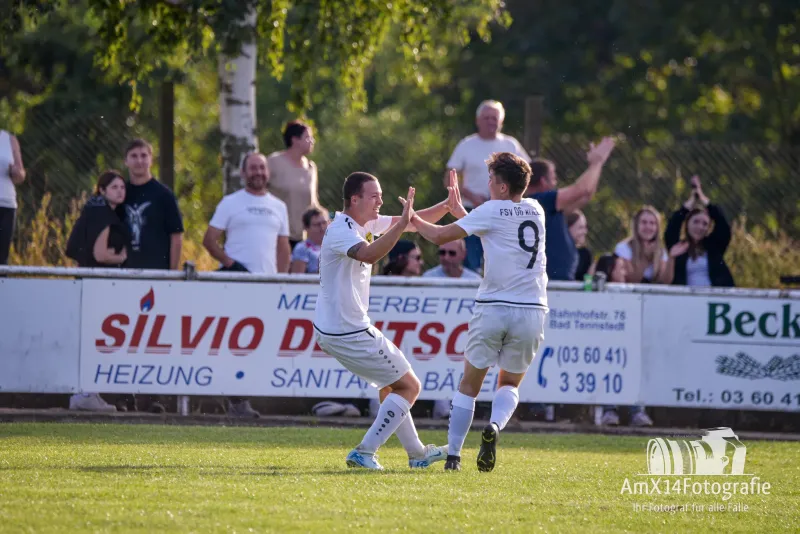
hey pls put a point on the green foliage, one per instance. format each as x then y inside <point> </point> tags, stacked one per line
<point>658,69</point>
<point>45,236</point>
<point>758,258</point>
<point>324,44</point>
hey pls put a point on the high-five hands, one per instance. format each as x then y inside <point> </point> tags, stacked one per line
<point>408,207</point>
<point>454,197</point>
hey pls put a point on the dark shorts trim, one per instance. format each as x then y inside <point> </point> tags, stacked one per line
<point>341,335</point>
<point>527,304</point>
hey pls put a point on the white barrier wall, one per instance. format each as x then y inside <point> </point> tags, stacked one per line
<point>717,352</point>
<point>256,339</point>
<point>39,335</point>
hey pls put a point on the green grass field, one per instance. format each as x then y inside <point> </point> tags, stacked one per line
<point>142,478</point>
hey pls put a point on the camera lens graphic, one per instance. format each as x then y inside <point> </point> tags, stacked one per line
<point>719,452</point>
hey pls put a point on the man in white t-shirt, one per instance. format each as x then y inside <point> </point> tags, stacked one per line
<point>507,324</point>
<point>343,330</point>
<point>256,227</point>
<point>255,223</point>
<point>469,160</point>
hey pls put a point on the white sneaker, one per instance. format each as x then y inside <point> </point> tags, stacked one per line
<point>610,418</point>
<point>90,402</point>
<point>641,419</point>
<point>362,459</point>
<point>431,455</point>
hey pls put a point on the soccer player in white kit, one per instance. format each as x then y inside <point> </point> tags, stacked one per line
<point>507,325</point>
<point>343,329</point>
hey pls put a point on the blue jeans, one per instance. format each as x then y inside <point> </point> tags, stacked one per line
<point>474,258</point>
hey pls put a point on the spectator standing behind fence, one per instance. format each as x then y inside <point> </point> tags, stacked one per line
<point>255,223</point>
<point>615,269</point>
<point>469,159</point>
<point>578,229</point>
<point>293,177</point>
<point>647,261</point>
<point>12,173</point>
<point>256,228</point>
<point>451,263</point>
<point>152,214</point>
<point>305,255</point>
<point>699,257</point>
<point>562,253</point>
<point>156,227</point>
<point>100,239</point>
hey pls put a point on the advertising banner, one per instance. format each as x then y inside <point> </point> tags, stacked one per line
<point>258,340</point>
<point>721,352</point>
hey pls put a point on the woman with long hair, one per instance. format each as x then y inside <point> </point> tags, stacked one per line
<point>699,257</point>
<point>646,258</point>
<point>99,237</point>
<point>578,230</point>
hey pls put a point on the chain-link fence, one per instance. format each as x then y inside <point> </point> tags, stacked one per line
<point>64,155</point>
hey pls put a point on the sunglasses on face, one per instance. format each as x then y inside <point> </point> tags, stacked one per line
<point>451,253</point>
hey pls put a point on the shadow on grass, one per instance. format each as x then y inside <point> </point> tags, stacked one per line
<point>215,471</point>
<point>265,438</point>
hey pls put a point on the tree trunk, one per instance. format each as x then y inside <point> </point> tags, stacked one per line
<point>237,102</point>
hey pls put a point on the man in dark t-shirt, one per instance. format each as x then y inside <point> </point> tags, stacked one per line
<point>562,254</point>
<point>152,214</point>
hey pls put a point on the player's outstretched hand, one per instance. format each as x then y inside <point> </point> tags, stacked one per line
<point>408,206</point>
<point>454,204</point>
<point>600,152</point>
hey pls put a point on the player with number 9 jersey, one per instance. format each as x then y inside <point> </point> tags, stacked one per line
<point>515,264</point>
<point>507,324</point>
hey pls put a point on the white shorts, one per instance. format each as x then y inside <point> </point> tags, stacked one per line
<point>506,336</point>
<point>368,355</point>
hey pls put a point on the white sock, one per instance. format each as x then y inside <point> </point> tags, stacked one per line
<point>460,422</point>
<point>394,410</point>
<point>504,403</point>
<point>407,434</point>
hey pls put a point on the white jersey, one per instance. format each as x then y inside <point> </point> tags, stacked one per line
<point>344,282</point>
<point>513,237</point>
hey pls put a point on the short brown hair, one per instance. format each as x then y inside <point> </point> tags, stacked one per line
<point>310,214</point>
<point>540,168</point>
<point>138,143</point>
<point>511,169</point>
<point>354,184</point>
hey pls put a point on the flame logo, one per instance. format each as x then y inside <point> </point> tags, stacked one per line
<point>148,301</point>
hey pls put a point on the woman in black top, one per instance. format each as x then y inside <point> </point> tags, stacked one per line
<point>100,238</point>
<point>700,261</point>
<point>578,229</point>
